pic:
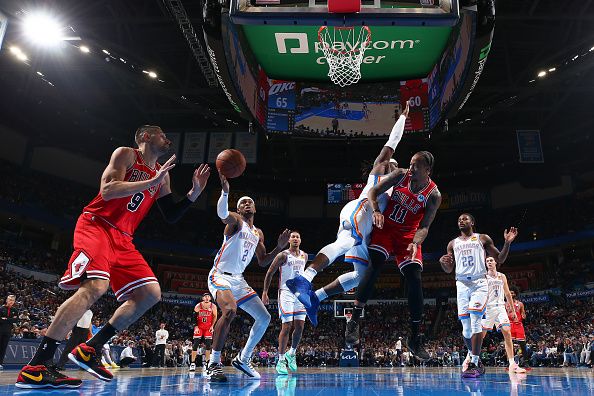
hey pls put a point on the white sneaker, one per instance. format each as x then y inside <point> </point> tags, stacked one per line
<point>246,368</point>
<point>514,368</point>
<point>193,367</point>
<point>465,363</point>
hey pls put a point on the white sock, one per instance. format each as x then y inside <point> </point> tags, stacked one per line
<point>309,274</point>
<point>245,356</point>
<point>292,351</point>
<point>215,357</point>
<point>512,361</point>
<point>321,293</point>
<point>281,356</point>
<point>474,359</point>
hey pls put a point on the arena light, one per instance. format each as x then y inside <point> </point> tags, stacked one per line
<point>152,74</point>
<point>591,49</point>
<point>542,74</point>
<point>85,49</point>
<point>42,28</point>
<point>19,54</point>
<point>106,52</point>
<point>552,69</point>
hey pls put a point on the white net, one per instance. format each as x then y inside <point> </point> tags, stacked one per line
<point>344,48</point>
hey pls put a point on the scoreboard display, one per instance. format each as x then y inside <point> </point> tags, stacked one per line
<point>341,193</point>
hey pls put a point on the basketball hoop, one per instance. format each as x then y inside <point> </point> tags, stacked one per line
<point>344,48</point>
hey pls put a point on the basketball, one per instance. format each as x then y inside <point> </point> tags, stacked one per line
<point>231,163</point>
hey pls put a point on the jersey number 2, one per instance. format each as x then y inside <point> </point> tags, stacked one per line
<point>135,201</point>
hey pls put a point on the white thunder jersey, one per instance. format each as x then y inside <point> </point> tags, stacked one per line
<point>495,291</point>
<point>372,180</point>
<point>294,266</point>
<point>470,258</point>
<point>237,250</point>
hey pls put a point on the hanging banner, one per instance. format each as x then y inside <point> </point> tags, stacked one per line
<point>248,145</point>
<point>219,141</point>
<point>194,148</point>
<point>175,139</point>
<point>529,147</point>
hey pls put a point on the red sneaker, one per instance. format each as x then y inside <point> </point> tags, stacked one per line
<point>89,360</point>
<point>37,377</point>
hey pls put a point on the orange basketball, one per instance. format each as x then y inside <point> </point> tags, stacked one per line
<point>231,163</point>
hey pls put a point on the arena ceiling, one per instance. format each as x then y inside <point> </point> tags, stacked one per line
<point>96,100</point>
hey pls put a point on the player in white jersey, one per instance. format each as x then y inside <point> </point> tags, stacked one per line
<point>226,283</point>
<point>289,263</point>
<point>468,252</point>
<point>354,230</point>
<point>496,314</point>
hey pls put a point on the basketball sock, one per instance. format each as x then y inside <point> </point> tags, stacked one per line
<point>292,351</point>
<point>102,336</point>
<point>412,275</point>
<point>215,357</point>
<point>474,359</point>
<point>321,293</point>
<point>309,274</point>
<point>512,361</point>
<point>45,351</point>
<point>281,356</point>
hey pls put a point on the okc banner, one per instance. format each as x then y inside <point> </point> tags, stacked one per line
<point>248,145</point>
<point>194,148</point>
<point>219,141</point>
<point>529,147</point>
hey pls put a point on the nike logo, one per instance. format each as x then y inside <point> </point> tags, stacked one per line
<point>35,378</point>
<point>86,358</point>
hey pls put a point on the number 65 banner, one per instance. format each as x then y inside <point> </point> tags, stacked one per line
<point>281,95</point>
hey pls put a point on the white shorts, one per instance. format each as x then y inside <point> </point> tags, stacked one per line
<point>242,292</point>
<point>356,217</point>
<point>495,315</point>
<point>289,307</point>
<point>472,297</point>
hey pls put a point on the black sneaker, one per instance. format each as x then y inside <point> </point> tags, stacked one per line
<point>87,358</point>
<point>214,372</point>
<point>351,334</point>
<point>37,377</point>
<point>415,346</point>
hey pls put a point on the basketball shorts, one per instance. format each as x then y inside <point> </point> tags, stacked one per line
<point>200,332</point>
<point>356,217</point>
<point>103,252</point>
<point>517,332</point>
<point>495,316</point>
<point>201,335</point>
<point>218,280</point>
<point>472,297</point>
<point>394,244</point>
<point>289,307</point>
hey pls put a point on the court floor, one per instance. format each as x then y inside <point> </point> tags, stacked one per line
<point>330,381</point>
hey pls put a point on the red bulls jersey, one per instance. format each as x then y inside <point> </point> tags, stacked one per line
<point>406,209</point>
<point>204,316</point>
<point>516,307</point>
<point>126,213</point>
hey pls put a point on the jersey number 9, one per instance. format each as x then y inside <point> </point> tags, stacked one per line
<point>135,201</point>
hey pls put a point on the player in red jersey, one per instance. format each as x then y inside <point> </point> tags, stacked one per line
<point>408,215</point>
<point>105,256</point>
<point>206,317</point>
<point>518,334</point>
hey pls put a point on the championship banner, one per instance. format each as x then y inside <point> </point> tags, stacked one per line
<point>219,141</point>
<point>175,139</point>
<point>529,147</point>
<point>248,145</point>
<point>194,148</point>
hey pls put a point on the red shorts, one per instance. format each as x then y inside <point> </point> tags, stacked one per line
<point>394,244</point>
<point>517,332</point>
<point>200,332</point>
<point>103,252</point>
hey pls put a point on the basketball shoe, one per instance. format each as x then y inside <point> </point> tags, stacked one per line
<point>312,311</point>
<point>282,366</point>
<point>245,367</point>
<point>301,288</point>
<point>472,371</point>
<point>37,377</point>
<point>291,361</point>
<point>89,360</point>
<point>214,372</point>
<point>193,367</point>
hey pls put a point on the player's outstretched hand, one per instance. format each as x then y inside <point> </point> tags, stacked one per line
<point>378,220</point>
<point>164,170</point>
<point>224,183</point>
<point>200,177</point>
<point>447,262</point>
<point>406,109</point>
<point>509,237</point>
<point>265,299</point>
<point>283,238</point>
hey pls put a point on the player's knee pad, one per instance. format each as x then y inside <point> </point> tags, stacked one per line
<point>476,324</point>
<point>466,328</point>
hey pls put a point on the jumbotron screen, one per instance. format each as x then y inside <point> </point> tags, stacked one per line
<point>341,193</point>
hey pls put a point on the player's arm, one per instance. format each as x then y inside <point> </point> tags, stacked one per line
<point>508,295</point>
<point>522,310</point>
<point>264,258</point>
<point>384,185</point>
<point>279,260</point>
<point>112,180</point>
<point>492,250</point>
<point>173,209</point>
<point>215,316</point>
<point>232,220</point>
<point>393,140</point>
<point>197,308</point>
<point>447,261</point>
